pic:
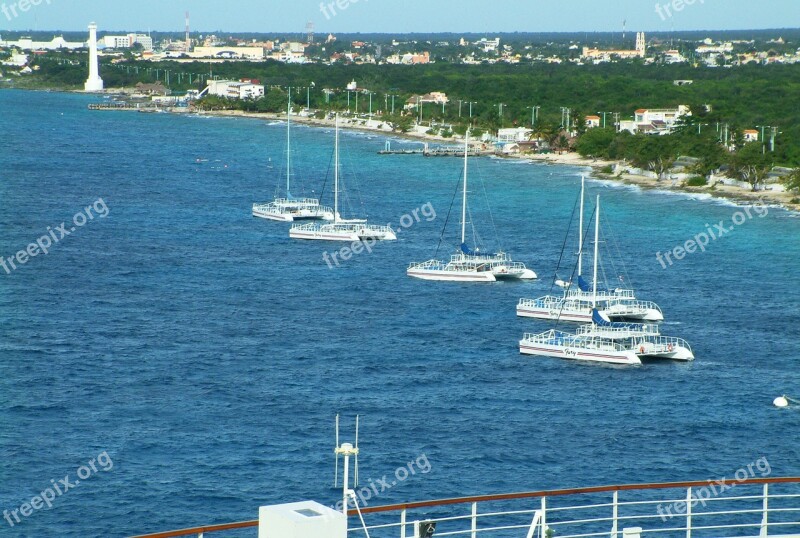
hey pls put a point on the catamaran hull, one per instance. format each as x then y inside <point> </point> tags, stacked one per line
<point>577,316</point>
<point>677,353</point>
<point>291,217</point>
<point>643,315</point>
<point>324,236</point>
<point>368,235</point>
<point>273,216</point>
<point>627,358</point>
<point>501,273</point>
<point>452,276</point>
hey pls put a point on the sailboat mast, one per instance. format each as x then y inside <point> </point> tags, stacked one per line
<point>580,230</point>
<point>336,173</point>
<point>464,194</point>
<point>596,250</point>
<point>288,143</point>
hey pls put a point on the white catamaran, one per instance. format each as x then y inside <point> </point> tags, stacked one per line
<point>467,265</point>
<point>577,303</point>
<point>341,229</point>
<point>644,339</point>
<point>290,209</point>
<point>582,347</point>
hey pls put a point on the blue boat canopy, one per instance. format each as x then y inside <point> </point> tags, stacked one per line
<point>465,249</point>
<point>600,321</point>
<point>583,285</point>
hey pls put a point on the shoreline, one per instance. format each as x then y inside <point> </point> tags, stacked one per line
<point>715,190</point>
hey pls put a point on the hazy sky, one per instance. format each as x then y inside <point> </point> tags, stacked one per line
<point>401,15</point>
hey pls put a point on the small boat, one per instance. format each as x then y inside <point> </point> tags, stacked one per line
<point>341,229</point>
<point>467,265</point>
<point>290,209</point>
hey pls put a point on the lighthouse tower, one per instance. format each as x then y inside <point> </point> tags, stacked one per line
<point>94,83</point>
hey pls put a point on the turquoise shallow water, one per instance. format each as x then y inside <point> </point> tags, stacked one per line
<point>207,353</point>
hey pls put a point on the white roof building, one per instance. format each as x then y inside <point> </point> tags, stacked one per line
<point>233,89</point>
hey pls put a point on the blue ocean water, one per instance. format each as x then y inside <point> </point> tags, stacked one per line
<point>207,354</point>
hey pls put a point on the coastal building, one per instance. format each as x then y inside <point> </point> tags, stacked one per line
<point>750,135</point>
<point>592,122</point>
<point>655,120</point>
<point>438,98</point>
<point>234,89</point>
<point>606,55</point>
<point>155,89</point>
<point>514,135</point>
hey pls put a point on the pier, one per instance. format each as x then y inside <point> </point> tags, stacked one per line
<point>439,151</point>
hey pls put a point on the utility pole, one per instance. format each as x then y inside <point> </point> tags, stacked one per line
<point>470,107</point>
<point>772,138</point>
<point>763,139</point>
<point>604,117</point>
<point>459,107</point>
<point>501,114</point>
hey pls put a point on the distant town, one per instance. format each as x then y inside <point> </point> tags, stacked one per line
<point>331,49</point>
<point>664,102</point>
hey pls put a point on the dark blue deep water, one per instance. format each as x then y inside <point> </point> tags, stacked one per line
<point>207,354</point>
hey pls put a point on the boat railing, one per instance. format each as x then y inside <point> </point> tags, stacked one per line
<point>604,295</point>
<point>569,340</point>
<point>378,228</point>
<point>746,507</point>
<point>548,301</point>
<point>625,305</point>
<point>639,330</point>
<point>429,264</point>
<point>296,201</point>
<point>662,343</point>
<point>511,266</point>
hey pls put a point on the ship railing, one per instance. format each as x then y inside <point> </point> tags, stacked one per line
<point>742,507</point>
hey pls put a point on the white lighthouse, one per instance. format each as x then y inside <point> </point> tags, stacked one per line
<point>94,83</point>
